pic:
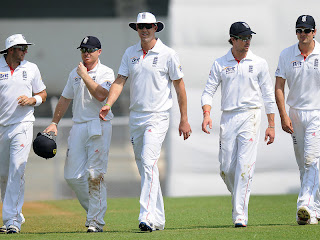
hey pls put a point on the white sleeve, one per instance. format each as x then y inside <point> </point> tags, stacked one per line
<point>174,67</point>
<point>108,79</point>
<point>68,89</point>
<point>124,68</point>
<point>37,83</point>
<point>280,72</point>
<point>266,87</point>
<point>213,83</point>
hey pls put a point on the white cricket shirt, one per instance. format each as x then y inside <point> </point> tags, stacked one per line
<point>25,80</point>
<point>85,107</point>
<point>151,76</point>
<point>241,83</point>
<point>302,75</point>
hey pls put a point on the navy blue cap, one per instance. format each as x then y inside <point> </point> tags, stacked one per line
<point>90,42</point>
<point>305,21</point>
<point>240,28</point>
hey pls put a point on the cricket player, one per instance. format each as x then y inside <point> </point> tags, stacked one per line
<point>18,80</point>
<point>152,67</point>
<point>89,141</point>
<point>299,66</point>
<point>242,76</point>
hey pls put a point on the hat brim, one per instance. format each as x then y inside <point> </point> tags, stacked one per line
<point>304,25</point>
<point>245,33</point>
<point>87,46</point>
<point>5,50</point>
<point>160,25</point>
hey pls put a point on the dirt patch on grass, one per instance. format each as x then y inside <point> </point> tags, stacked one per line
<point>41,209</point>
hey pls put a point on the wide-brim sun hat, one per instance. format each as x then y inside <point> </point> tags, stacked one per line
<point>146,17</point>
<point>13,40</point>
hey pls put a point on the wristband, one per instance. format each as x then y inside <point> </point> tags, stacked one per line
<point>107,104</point>
<point>271,126</point>
<point>204,112</point>
<point>54,123</point>
<point>38,100</point>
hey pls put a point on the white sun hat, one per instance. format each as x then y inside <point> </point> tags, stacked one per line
<point>13,40</point>
<point>146,17</point>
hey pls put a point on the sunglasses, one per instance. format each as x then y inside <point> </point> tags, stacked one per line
<point>242,38</point>
<point>305,30</point>
<point>22,48</point>
<point>145,25</point>
<point>88,50</point>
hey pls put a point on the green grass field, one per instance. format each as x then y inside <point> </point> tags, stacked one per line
<point>270,217</point>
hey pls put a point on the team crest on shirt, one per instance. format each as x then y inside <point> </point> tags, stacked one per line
<point>108,84</point>
<point>155,61</point>
<point>230,70</point>
<point>24,75</point>
<point>316,63</point>
<point>77,80</point>
<point>250,68</point>
<point>296,64</point>
<point>4,76</point>
<point>135,60</point>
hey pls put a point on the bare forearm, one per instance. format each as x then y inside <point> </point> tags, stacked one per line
<point>61,109</point>
<point>182,98</point>
<point>116,89</point>
<point>280,98</point>
<point>95,89</point>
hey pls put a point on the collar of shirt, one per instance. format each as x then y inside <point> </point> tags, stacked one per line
<point>157,47</point>
<point>230,56</point>
<point>316,49</point>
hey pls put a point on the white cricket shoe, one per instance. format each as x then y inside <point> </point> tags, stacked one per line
<point>240,223</point>
<point>94,229</point>
<point>303,216</point>
<point>159,227</point>
<point>13,229</point>
<point>3,229</point>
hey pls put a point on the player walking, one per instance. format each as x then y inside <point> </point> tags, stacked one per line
<point>241,75</point>
<point>18,80</point>
<point>89,141</point>
<point>152,67</point>
<point>299,65</point>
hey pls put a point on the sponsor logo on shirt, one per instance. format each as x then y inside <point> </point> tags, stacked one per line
<point>296,64</point>
<point>180,68</point>
<point>135,60</point>
<point>77,80</point>
<point>316,63</point>
<point>4,76</point>
<point>24,75</point>
<point>250,68</point>
<point>94,78</point>
<point>155,61</point>
<point>230,70</point>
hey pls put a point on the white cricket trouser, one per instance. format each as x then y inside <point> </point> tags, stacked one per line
<point>239,137</point>
<point>306,143</point>
<point>148,131</point>
<point>15,143</point>
<point>85,166</point>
